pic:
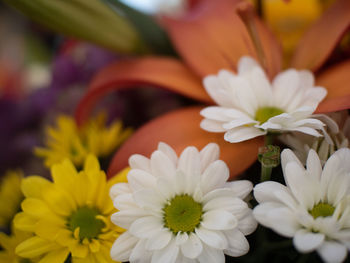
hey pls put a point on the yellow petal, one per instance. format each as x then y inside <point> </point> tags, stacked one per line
<point>56,256</point>
<point>33,186</point>
<point>104,254</point>
<point>35,207</point>
<point>34,247</point>
<point>79,250</point>
<point>24,222</point>
<point>94,245</point>
<point>80,194</point>
<point>60,201</point>
<point>91,165</point>
<point>65,238</point>
<point>63,175</point>
<point>49,227</point>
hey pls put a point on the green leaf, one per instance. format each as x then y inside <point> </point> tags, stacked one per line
<point>155,37</point>
<point>89,20</point>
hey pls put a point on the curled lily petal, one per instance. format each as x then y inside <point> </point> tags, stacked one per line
<point>325,35</point>
<point>336,80</point>
<point>180,129</point>
<point>161,72</point>
<point>212,36</point>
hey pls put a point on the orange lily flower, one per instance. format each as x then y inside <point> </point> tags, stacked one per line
<point>210,37</point>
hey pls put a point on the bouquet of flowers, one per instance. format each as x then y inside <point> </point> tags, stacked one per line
<point>210,131</point>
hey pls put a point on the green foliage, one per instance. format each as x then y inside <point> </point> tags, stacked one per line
<point>147,27</point>
<point>87,20</point>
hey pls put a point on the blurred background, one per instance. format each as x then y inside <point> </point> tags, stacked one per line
<point>44,74</point>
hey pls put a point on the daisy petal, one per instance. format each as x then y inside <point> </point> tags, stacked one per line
<point>265,192</point>
<point>159,240</point>
<point>277,217</point>
<point>246,64</point>
<point>139,253</point>
<point>313,165</point>
<point>189,162</point>
<point>161,165</point>
<point>210,255</point>
<point>287,156</point>
<point>144,227</point>
<point>212,238</point>
<point>149,199</point>
<point>212,125</point>
<point>231,204</point>
<point>124,201</point>
<point>123,246</point>
<point>247,224</point>
<point>305,241</point>
<point>214,176</point>
<point>168,254</point>
<point>118,189</point>
<point>240,188</point>
<point>241,134</point>
<point>238,244</point>
<point>125,218</point>
<point>332,252</point>
<point>192,247</point>
<point>219,220</point>
<point>181,238</point>
<point>139,179</point>
<point>168,151</point>
<point>137,161</point>
<point>209,154</point>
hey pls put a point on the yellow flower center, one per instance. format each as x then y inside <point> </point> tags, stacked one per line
<point>85,219</point>
<point>322,209</point>
<point>183,214</point>
<point>262,115</point>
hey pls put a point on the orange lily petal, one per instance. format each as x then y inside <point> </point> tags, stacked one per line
<point>159,72</point>
<point>180,129</point>
<point>336,80</point>
<point>212,36</point>
<point>321,39</point>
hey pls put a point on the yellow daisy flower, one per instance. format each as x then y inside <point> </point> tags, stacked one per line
<point>70,215</point>
<point>68,141</point>
<point>10,196</point>
<point>8,243</point>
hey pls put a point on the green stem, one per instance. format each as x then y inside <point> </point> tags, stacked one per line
<point>269,139</point>
<point>265,173</point>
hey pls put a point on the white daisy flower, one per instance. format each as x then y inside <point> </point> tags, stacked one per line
<point>314,207</point>
<point>335,138</point>
<point>251,106</point>
<point>181,209</point>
